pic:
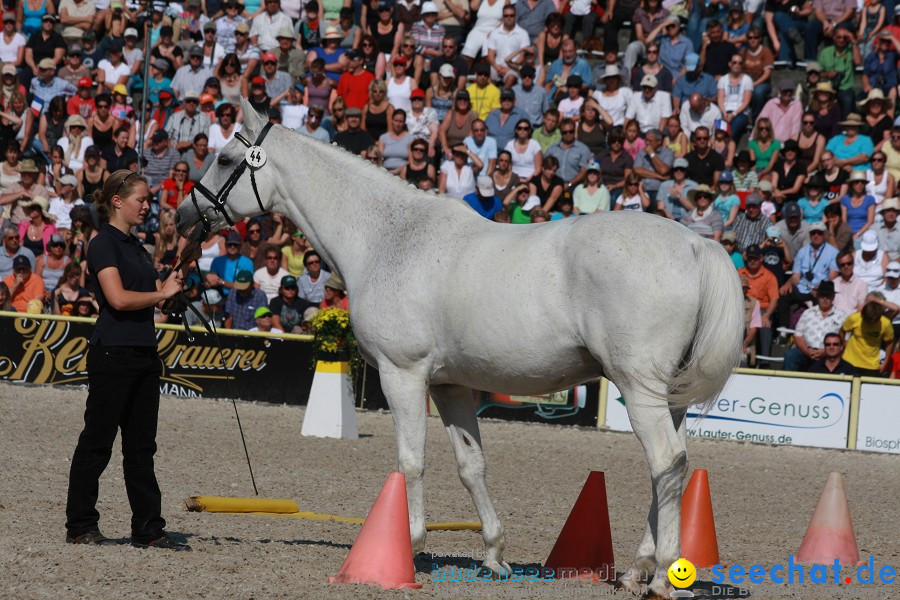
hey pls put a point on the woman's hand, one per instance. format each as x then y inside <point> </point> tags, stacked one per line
<point>172,285</point>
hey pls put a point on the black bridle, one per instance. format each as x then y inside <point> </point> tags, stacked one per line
<point>254,158</point>
<point>219,201</point>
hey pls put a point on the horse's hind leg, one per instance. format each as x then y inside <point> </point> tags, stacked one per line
<point>661,433</point>
<point>457,410</point>
<point>405,393</point>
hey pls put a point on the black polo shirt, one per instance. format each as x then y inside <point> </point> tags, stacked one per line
<point>42,48</point>
<point>702,170</point>
<point>112,248</point>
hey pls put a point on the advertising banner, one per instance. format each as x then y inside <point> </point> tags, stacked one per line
<point>879,414</point>
<point>44,351</point>
<point>759,408</point>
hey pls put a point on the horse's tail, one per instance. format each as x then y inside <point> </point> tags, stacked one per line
<point>715,348</point>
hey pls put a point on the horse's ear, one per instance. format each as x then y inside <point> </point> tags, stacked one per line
<point>253,121</point>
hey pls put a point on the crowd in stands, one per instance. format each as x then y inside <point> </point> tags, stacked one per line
<point>766,126</point>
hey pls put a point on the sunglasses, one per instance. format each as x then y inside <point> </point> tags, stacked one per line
<point>845,264</point>
<point>701,138</point>
<point>250,231</point>
<point>523,128</point>
<point>270,62</point>
<point>313,262</point>
<point>567,131</point>
<point>809,122</point>
<point>879,159</point>
<point>180,170</point>
<point>832,345</point>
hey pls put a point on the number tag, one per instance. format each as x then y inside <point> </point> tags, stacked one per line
<point>255,156</point>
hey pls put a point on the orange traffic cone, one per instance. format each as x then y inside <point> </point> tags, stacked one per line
<point>382,553</point>
<point>585,541</point>
<point>830,533</point>
<point>698,526</point>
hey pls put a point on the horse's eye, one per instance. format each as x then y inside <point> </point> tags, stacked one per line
<point>224,161</point>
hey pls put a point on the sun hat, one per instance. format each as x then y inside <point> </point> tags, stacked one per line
<point>824,86</point>
<point>43,204</point>
<point>701,189</point>
<point>332,33</point>
<point>857,176</point>
<point>852,120</point>
<point>869,241</point>
<point>334,282</point>
<point>27,165</point>
<point>75,121</point>
<point>876,95</point>
<point>889,204</point>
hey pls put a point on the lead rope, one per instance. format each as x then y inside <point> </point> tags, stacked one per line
<point>177,306</point>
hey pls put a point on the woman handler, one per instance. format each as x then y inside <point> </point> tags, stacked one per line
<point>123,371</point>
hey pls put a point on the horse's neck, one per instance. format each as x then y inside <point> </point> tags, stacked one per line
<point>348,208</point>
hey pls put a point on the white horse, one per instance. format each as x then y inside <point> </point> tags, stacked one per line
<point>444,301</point>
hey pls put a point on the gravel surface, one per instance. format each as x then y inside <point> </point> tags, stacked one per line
<point>763,498</point>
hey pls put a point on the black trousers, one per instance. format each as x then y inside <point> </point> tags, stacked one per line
<point>123,393</point>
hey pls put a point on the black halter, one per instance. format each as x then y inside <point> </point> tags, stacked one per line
<point>219,200</point>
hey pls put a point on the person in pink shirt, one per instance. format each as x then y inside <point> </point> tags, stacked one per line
<point>785,112</point>
<point>849,290</point>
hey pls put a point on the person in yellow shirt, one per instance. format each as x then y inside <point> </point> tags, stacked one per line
<point>869,330</point>
<point>484,94</point>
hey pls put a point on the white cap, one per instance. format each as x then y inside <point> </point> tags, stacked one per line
<point>446,70</point>
<point>485,185</point>
<point>893,269</point>
<point>211,296</point>
<point>131,32</point>
<point>532,202</point>
<point>649,81</point>
<point>429,8</point>
<point>869,242</point>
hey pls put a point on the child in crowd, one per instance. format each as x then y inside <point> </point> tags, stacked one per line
<point>571,105</point>
<point>675,139</point>
<point>745,177</point>
<point>634,143</point>
<point>814,203</point>
<point>727,202</point>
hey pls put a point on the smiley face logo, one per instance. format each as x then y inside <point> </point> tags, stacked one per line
<point>682,573</point>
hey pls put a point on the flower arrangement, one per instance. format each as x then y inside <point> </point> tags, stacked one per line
<point>334,335</point>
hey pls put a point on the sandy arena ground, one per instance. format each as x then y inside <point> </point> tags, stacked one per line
<point>763,498</point>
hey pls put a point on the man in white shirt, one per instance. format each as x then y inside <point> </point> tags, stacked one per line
<point>505,40</point>
<point>651,108</point>
<point>268,278</point>
<point>267,24</point>
<point>698,112</point>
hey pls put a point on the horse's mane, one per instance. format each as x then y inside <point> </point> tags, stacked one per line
<point>354,165</point>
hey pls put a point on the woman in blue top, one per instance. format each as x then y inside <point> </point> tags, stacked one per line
<point>813,204</point>
<point>727,202</point>
<point>31,12</point>
<point>858,207</point>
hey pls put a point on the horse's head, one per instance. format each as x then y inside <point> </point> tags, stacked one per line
<point>227,194</point>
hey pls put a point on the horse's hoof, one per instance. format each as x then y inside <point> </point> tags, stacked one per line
<point>658,589</point>
<point>630,585</point>
<point>500,568</point>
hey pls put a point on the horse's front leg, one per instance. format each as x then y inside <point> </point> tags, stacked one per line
<point>405,393</point>
<point>457,409</point>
